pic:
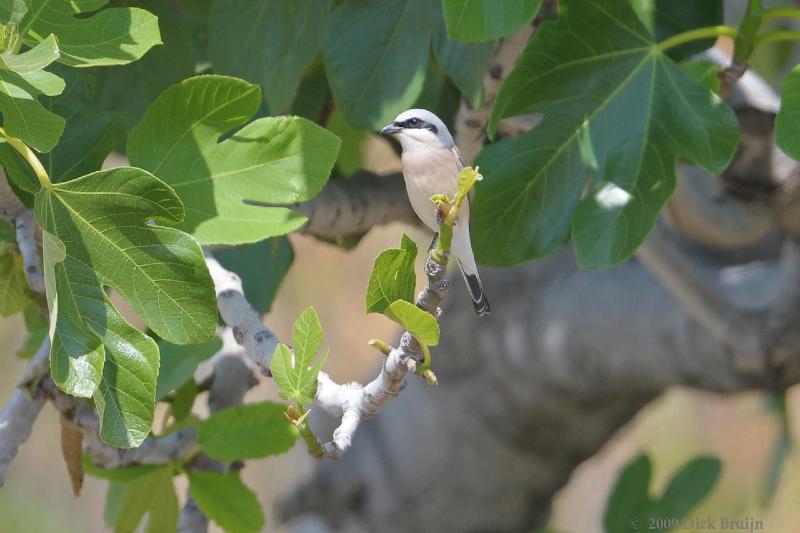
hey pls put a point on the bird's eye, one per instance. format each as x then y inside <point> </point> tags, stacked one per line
<point>413,122</point>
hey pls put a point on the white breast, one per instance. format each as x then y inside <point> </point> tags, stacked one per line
<point>427,172</point>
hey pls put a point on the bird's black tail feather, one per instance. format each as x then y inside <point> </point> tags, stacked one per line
<point>479,299</point>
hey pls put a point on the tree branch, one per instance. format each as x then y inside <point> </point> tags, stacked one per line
<point>470,123</point>
<point>353,206</point>
<point>18,416</point>
<point>245,323</point>
<point>14,212</point>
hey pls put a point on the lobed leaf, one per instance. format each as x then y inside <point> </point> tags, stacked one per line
<point>275,160</point>
<point>96,236</point>
<point>617,115</point>
<point>484,20</point>
<point>270,42</point>
<point>38,57</point>
<point>246,432</point>
<point>130,89</point>
<point>113,36</point>
<point>464,63</point>
<point>375,56</point>
<point>24,116</point>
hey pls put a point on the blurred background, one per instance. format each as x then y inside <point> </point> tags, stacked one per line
<point>744,431</point>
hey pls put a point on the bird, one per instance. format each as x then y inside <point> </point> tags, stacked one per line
<point>431,164</point>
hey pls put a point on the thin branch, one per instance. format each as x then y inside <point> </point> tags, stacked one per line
<point>192,519</point>
<point>470,122</point>
<point>351,402</point>
<point>13,211</point>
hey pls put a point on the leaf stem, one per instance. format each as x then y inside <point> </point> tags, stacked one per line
<point>696,34</point>
<point>774,36</point>
<point>780,12</point>
<point>29,157</point>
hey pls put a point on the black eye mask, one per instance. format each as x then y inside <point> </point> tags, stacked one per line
<point>417,124</point>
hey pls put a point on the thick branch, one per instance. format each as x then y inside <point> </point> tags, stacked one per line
<point>18,416</point>
<point>239,315</point>
<point>352,206</point>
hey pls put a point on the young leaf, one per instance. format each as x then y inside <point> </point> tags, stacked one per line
<point>484,20</point>
<point>227,501</point>
<point>246,432</point>
<point>296,378</point>
<point>12,282</point>
<point>392,277</point>
<point>630,496</point>
<point>276,160</point>
<point>419,323</point>
<point>96,235</point>
<point>375,58</point>
<point>262,267</point>
<point>152,493</point>
<point>37,58</point>
<point>114,36</point>
<point>23,116</point>
<point>178,363</point>
<point>282,40</point>
<point>307,337</point>
<point>532,196</point>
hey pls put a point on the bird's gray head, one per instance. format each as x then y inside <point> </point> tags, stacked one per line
<point>417,128</point>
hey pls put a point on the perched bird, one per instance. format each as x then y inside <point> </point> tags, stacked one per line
<point>431,164</point>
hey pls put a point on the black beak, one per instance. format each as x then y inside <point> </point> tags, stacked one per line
<point>391,129</point>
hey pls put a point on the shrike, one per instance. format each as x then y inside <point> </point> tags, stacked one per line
<point>431,164</point>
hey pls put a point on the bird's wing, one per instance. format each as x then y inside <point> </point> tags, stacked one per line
<point>457,157</point>
<point>460,167</point>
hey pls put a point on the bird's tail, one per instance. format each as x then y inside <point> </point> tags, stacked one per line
<point>479,299</point>
<point>462,250</point>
